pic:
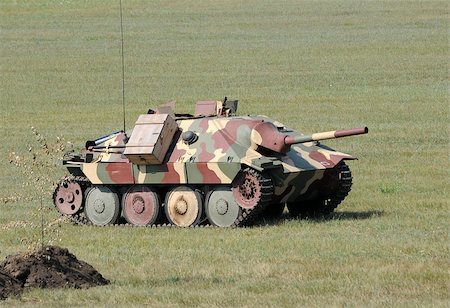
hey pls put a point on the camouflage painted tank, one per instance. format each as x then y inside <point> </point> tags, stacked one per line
<point>211,167</point>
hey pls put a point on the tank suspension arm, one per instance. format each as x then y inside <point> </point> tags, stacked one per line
<point>326,135</point>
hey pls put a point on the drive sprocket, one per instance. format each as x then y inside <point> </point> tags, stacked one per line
<point>253,191</point>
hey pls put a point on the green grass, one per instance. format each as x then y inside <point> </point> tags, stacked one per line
<point>314,65</point>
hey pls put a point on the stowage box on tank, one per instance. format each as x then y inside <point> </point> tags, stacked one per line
<point>150,139</point>
<point>211,167</point>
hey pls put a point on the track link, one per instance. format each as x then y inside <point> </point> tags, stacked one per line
<point>344,187</point>
<point>247,217</point>
<point>323,207</point>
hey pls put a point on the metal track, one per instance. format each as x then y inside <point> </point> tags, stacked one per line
<point>246,218</point>
<point>323,207</point>
<point>344,187</point>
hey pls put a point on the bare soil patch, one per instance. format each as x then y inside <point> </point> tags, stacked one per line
<point>47,267</point>
<point>8,285</point>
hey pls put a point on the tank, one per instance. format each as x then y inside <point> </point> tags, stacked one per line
<point>211,167</point>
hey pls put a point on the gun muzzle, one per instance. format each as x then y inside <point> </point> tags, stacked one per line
<point>289,140</point>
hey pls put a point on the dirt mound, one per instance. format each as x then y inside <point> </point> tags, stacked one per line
<point>48,267</point>
<point>8,285</point>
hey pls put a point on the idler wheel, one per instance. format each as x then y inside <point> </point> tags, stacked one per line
<point>221,208</point>
<point>183,206</point>
<point>102,206</point>
<point>140,206</point>
<point>68,197</point>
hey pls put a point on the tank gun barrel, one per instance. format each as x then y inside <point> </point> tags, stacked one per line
<point>289,140</point>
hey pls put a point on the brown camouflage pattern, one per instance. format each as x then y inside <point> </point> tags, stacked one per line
<point>298,165</point>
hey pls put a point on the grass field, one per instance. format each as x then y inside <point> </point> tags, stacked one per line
<point>314,65</point>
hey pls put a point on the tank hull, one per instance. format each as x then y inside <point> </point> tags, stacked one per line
<point>218,163</point>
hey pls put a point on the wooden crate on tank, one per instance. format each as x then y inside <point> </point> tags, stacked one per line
<point>150,139</point>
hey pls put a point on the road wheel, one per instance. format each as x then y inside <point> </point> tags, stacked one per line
<point>140,206</point>
<point>183,206</point>
<point>221,208</point>
<point>102,206</point>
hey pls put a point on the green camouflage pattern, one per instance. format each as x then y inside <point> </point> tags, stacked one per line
<point>298,165</point>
